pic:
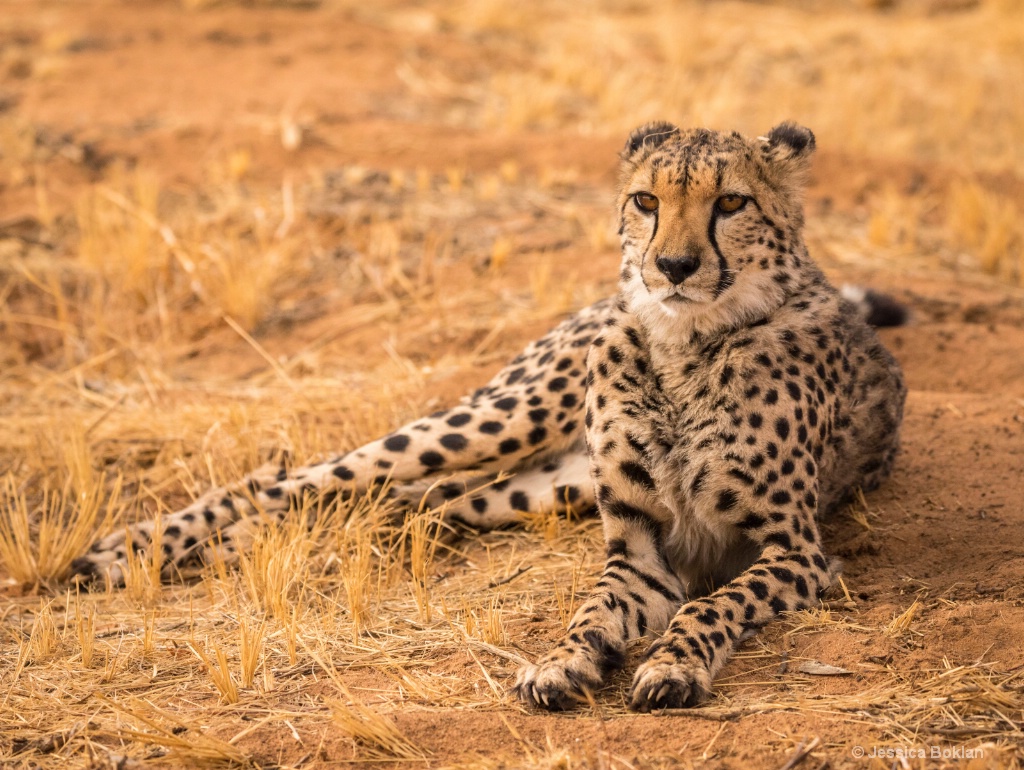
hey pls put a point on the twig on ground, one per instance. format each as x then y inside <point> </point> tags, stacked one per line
<point>802,752</point>
<point>508,579</point>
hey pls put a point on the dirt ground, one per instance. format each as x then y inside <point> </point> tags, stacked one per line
<point>230,230</point>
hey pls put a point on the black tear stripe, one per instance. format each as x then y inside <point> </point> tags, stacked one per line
<point>643,259</point>
<point>725,279</point>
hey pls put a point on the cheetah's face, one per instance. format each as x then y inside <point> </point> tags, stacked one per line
<point>710,222</point>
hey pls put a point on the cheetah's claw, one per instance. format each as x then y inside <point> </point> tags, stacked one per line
<point>668,686</point>
<point>565,677</point>
<point>543,687</point>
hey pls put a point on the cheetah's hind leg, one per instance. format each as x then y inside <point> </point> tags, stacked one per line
<point>483,503</point>
<point>480,503</point>
<point>528,416</point>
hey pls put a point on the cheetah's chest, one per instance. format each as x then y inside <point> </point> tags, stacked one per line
<point>682,438</point>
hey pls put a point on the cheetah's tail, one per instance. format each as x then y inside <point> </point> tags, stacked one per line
<point>878,309</point>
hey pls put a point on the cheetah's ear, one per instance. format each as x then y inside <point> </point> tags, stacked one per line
<point>788,143</point>
<point>648,137</point>
<point>788,149</point>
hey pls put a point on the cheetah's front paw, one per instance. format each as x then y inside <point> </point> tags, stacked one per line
<point>662,684</point>
<point>563,677</point>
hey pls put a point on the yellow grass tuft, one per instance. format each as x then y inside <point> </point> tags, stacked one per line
<point>185,744</point>
<point>423,533</point>
<point>218,669</point>
<point>991,227</point>
<point>861,513</point>
<point>85,633</point>
<point>486,621</point>
<point>275,561</point>
<point>356,571</point>
<point>901,623</point>
<point>44,638</point>
<point>142,577</point>
<point>40,539</point>
<point>373,735</point>
<point>819,620</point>
<point>250,649</point>
<point>566,597</point>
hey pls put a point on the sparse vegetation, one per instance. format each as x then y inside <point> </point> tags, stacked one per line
<point>350,214</point>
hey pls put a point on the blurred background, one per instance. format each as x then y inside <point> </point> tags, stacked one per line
<point>165,164</point>
<point>230,230</point>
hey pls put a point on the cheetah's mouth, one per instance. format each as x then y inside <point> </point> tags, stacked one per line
<point>679,295</point>
<point>674,303</point>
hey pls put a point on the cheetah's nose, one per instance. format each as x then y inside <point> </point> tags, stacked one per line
<point>677,269</point>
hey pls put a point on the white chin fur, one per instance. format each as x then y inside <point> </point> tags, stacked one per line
<point>672,321</point>
<point>659,314</point>
<point>668,310</point>
<point>855,294</point>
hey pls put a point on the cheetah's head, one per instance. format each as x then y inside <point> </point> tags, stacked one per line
<point>710,224</point>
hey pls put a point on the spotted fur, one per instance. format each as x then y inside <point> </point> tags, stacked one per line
<point>712,410</point>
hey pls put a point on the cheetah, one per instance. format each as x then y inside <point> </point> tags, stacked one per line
<point>710,411</point>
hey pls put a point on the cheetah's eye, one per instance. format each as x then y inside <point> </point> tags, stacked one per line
<point>730,204</point>
<point>646,202</point>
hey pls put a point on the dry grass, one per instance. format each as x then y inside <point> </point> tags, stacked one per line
<point>732,68</point>
<point>38,542</point>
<point>374,735</point>
<point>159,339</point>
<point>956,701</point>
